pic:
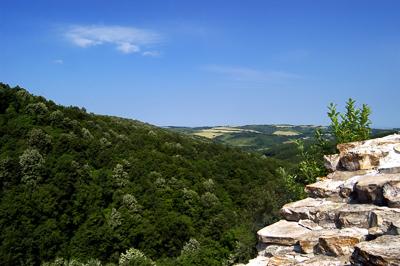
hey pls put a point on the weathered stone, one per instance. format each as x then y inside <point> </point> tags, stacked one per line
<point>345,175</point>
<point>320,211</point>
<point>397,148</point>
<point>354,215</point>
<point>276,250</point>
<point>369,188</point>
<point>327,188</point>
<point>258,261</point>
<point>389,170</point>
<point>384,250</point>
<point>355,161</point>
<point>341,243</point>
<point>391,193</point>
<point>322,260</point>
<point>282,233</point>
<point>348,187</point>
<point>330,223</point>
<point>331,162</point>
<point>370,154</point>
<point>281,261</point>
<point>310,225</point>
<point>289,259</point>
<point>385,221</point>
<point>308,242</point>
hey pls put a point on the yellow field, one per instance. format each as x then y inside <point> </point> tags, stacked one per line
<point>286,133</point>
<point>218,131</point>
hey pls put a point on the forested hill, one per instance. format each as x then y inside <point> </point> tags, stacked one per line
<point>82,187</point>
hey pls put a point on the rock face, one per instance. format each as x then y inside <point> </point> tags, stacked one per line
<point>351,217</point>
<point>282,233</point>
<point>384,250</point>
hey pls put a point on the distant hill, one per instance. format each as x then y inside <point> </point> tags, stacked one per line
<point>271,140</point>
<point>83,187</point>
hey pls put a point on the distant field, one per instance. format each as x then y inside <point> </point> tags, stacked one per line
<point>271,140</point>
<point>214,132</point>
<point>286,133</point>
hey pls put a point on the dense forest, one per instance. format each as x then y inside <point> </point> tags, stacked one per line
<point>83,189</point>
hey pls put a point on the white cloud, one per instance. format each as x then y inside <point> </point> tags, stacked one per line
<point>125,39</point>
<point>250,74</point>
<point>58,61</point>
<point>127,48</point>
<point>151,53</point>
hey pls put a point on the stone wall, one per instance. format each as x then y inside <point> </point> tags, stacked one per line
<point>351,216</point>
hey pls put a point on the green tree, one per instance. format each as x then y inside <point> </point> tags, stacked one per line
<point>353,125</point>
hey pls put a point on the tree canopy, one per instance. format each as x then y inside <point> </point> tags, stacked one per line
<point>76,187</point>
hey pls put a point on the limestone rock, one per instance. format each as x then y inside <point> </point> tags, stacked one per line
<point>258,261</point>
<point>310,225</point>
<point>357,202</point>
<point>391,193</point>
<point>308,242</point>
<point>397,148</point>
<point>384,250</point>
<point>282,233</point>
<point>389,170</point>
<point>369,188</point>
<point>384,221</point>
<point>289,259</point>
<point>327,188</point>
<point>341,243</point>
<point>281,261</point>
<point>370,154</point>
<point>322,260</point>
<point>355,215</point>
<point>348,187</point>
<point>331,162</point>
<point>276,250</point>
<point>320,211</point>
<point>356,161</point>
<point>345,175</point>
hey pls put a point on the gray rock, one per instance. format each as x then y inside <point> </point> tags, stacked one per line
<point>341,243</point>
<point>326,188</point>
<point>320,211</point>
<point>308,243</point>
<point>282,233</point>
<point>322,260</point>
<point>276,250</point>
<point>384,250</point>
<point>354,215</point>
<point>370,154</point>
<point>369,188</point>
<point>310,225</point>
<point>391,193</point>
<point>331,162</point>
<point>384,221</point>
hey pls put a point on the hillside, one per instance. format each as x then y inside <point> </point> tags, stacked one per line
<point>78,186</point>
<point>275,141</point>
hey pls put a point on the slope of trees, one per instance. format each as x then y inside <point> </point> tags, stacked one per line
<point>78,188</point>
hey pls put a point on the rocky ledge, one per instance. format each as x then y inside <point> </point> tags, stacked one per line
<point>351,216</point>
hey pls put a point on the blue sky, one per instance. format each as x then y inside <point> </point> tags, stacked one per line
<point>206,62</point>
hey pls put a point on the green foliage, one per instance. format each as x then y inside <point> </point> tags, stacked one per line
<point>353,125</point>
<point>88,188</point>
<point>134,257</point>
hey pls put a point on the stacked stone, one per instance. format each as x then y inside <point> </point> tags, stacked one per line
<point>351,217</point>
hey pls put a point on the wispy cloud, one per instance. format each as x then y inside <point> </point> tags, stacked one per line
<point>251,74</point>
<point>58,61</point>
<point>151,53</point>
<point>125,39</point>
